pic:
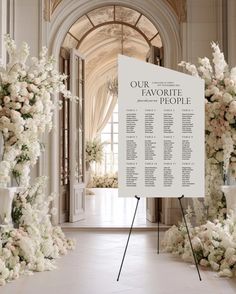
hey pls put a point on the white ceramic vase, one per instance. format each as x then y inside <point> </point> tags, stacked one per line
<point>230,196</point>
<point>6,198</point>
<point>88,177</point>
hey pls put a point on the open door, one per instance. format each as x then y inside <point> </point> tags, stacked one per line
<point>155,56</point>
<point>64,189</point>
<point>76,139</point>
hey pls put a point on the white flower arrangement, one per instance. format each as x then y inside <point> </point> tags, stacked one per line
<point>220,124</point>
<point>214,240</point>
<point>104,181</point>
<point>214,244</point>
<point>26,111</point>
<point>35,244</point>
<point>94,151</point>
<point>26,108</point>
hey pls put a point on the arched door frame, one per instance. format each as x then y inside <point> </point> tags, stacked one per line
<point>160,14</point>
<point>68,12</point>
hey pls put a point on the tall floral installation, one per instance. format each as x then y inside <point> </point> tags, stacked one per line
<point>26,111</point>
<point>214,237</point>
<point>94,151</point>
<point>26,108</point>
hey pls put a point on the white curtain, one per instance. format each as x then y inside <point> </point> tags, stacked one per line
<point>99,109</point>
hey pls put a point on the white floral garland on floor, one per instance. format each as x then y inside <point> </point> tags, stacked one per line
<point>214,244</point>
<point>104,181</point>
<point>36,243</point>
<point>214,239</point>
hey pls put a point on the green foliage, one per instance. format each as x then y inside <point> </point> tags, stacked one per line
<point>23,158</point>
<point>26,115</point>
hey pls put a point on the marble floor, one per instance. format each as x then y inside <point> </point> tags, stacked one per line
<point>104,209</point>
<point>93,266</point>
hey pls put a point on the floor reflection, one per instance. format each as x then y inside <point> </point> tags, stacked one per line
<point>105,209</point>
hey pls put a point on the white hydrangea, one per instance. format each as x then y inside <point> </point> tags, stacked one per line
<point>36,244</point>
<point>27,107</point>
<point>214,240</point>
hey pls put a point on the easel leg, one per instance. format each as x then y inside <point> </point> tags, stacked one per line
<point>127,243</point>
<point>190,241</point>
<point>158,225</point>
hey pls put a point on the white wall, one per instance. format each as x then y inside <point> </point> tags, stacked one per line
<point>27,22</point>
<point>231,18</point>
<point>203,26</point>
<point>27,26</point>
<point>3,29</point>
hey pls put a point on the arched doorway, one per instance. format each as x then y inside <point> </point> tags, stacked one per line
<point>160,16</point>
<point>99,36</point>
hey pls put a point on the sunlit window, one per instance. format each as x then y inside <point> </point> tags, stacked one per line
<point>109,136</point>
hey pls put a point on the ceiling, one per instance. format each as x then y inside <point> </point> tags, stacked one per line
<point>105,32</point>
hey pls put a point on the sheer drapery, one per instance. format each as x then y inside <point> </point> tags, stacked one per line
<point>99,109</point>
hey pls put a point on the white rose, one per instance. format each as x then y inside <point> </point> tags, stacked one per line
<point>215,266</point>
<point>227,98</point>
<point>2,265</point>
<point>17,105</point>
<point>229,117</point>
<point>229,252</point>
<point>23,91</point>
<point>226,81</point>
<point>232,107</point>
<point>31,95</point>
<point>30,75</point>
<point>226,273</point>
<point>5,273</point>
<point>37,81</point>
<point>6,99</point>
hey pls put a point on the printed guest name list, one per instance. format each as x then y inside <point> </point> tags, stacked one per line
<point>161,131</point>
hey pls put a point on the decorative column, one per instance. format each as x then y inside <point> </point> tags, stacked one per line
<point>3,29</point>
<point>231,36</point>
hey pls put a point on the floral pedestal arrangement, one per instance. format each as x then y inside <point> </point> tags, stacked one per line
<point>27,105</point>
<point>26,109</point>
<point>94,154</point>
<point>214,237</point>
<point>6,199</point>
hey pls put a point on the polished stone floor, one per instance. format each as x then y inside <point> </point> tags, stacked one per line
<point>92,268</point>
<point>104,209</point>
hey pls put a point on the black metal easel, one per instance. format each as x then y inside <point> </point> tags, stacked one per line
<point>158,234</point>
<point>127,243</point>
<point>158,225</point>
<point>190,241</point>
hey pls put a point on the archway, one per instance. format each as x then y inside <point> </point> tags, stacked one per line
<point>66,14</point>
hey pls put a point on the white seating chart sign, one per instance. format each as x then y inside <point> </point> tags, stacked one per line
<point>161,131</point>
